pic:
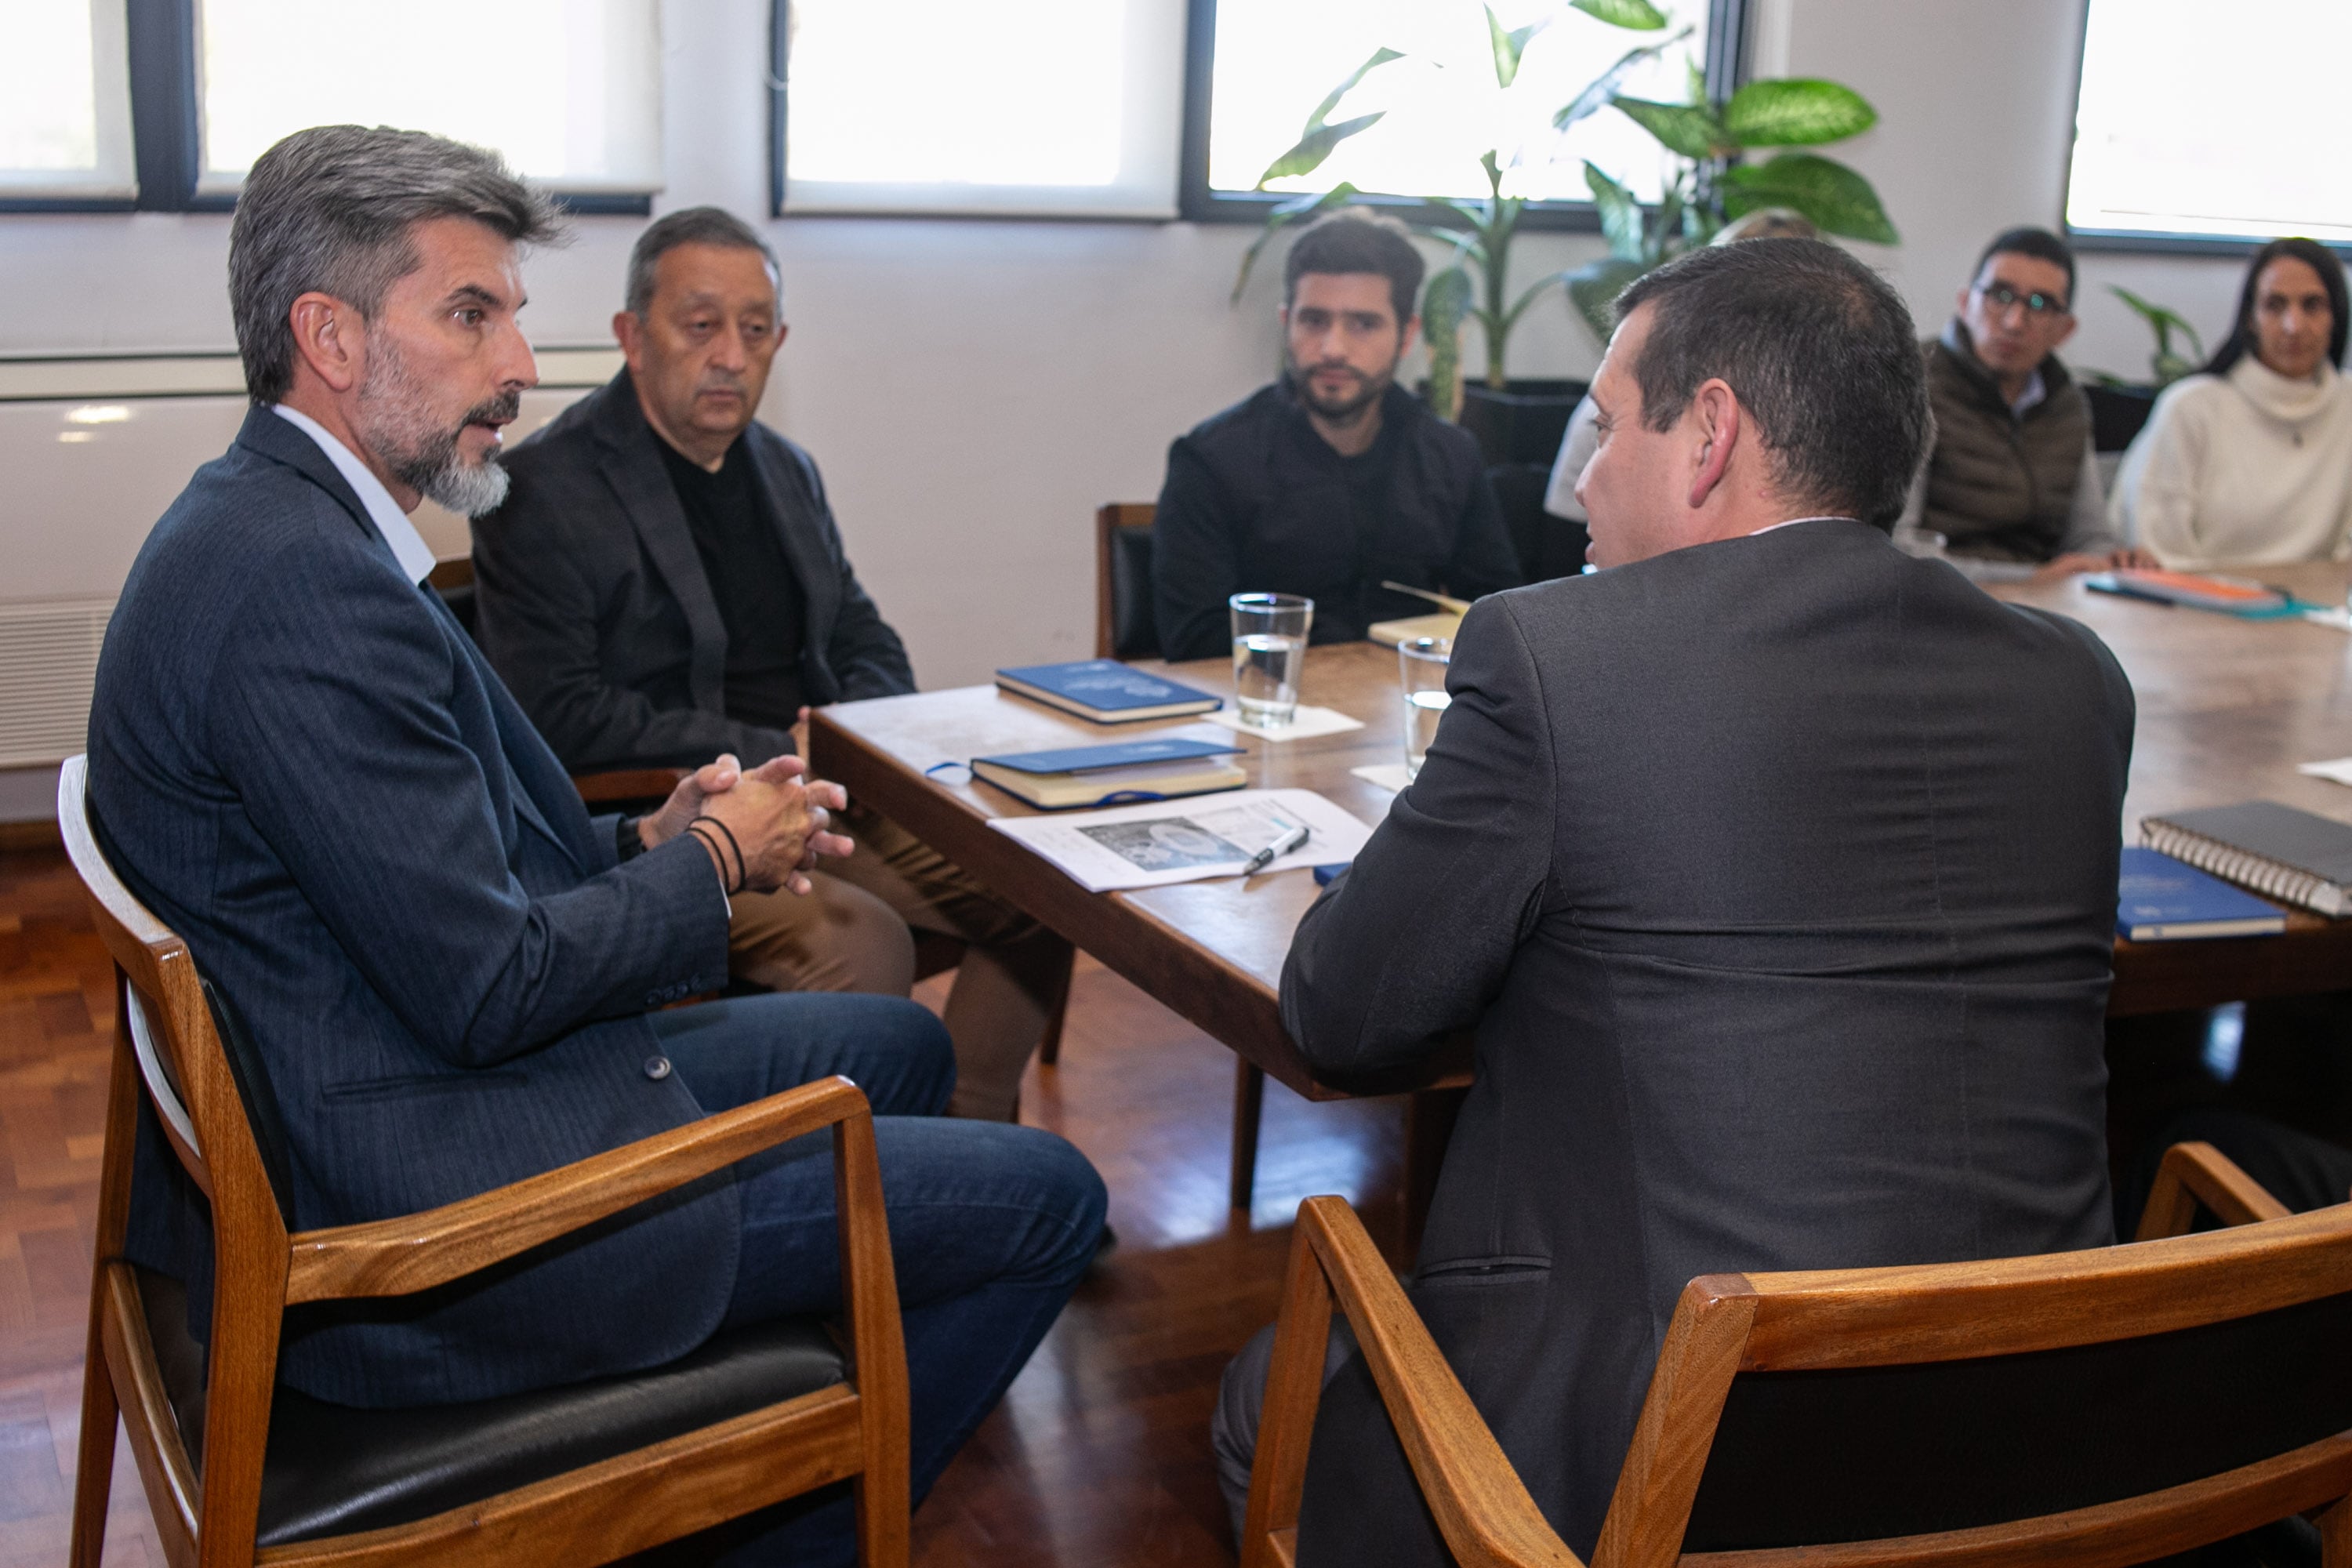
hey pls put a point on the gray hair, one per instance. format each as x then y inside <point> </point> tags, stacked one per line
<point>691,226</point>
<point>329,210</point>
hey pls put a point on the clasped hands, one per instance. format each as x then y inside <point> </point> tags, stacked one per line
<point>771,821</point>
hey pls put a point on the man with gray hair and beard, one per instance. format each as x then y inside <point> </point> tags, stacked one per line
<point>440,970</point>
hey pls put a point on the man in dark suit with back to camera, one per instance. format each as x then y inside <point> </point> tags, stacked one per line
<point>666,581</point>
<point>1775,871</point>
<point>440,964</point>
<point>1334,479</point>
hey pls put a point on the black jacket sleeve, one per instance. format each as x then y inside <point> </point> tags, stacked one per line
<point>1416,941</point>
<point>864,655</point>
<point>541,620</point>
<point>1195,566</point>
<point>1484,560</point>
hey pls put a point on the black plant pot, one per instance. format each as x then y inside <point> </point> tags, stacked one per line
<point>1524,422</point>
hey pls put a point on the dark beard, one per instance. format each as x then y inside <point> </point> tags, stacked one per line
<point>1369,391</point>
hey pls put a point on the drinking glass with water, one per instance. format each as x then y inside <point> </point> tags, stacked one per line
<point>1421,662</point>
<point>1269,653</point>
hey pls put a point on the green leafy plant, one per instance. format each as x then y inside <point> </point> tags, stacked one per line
<point>1474,284</point>
<point>1715,183</point>
<point>2164,366</point>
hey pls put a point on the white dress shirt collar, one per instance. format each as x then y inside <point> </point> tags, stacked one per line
<point>408,547</point>
<point>1822,517</point>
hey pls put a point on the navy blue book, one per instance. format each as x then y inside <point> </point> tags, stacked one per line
<point>1106,692</point>
<point>2158,898</point>
<point>1104,776</point>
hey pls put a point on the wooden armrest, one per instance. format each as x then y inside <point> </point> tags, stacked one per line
<point>416,1252</point>
<point>626,783</point>
<point>1481,1507</point>
<point>2199,1172</point>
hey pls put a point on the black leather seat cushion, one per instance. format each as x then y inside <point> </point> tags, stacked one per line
<point>331,1470</point>
<point>1810,1458</point>
<point>1134,632</point>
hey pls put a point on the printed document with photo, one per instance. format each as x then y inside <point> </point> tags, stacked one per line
<point>1161,842</point>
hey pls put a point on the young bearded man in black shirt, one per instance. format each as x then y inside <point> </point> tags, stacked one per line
<point>665,581</point>
<point>1333,479</point>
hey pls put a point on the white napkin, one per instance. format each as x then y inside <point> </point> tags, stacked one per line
<point>1306,724</point>
<point>2340,770</point>
<point>2341,619</point>
<point>1384,775</point>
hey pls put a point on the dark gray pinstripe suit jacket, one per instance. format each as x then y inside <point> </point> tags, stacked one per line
<point>1778,879</point>
<point>299,761</point>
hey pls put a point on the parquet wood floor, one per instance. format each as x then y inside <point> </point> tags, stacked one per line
<point>1098,1456</point>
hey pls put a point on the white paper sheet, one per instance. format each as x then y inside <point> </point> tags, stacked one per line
<point>2340,770</point>
<point>2336,616</point>
<point>1161,842</point>
<point>1305,725</point>
<point>1384,775</point>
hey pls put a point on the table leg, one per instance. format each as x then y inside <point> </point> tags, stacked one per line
<point>1249,1103</point>
<point>1429,1119</point>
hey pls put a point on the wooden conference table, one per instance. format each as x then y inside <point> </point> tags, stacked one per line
<point>2226,709</point>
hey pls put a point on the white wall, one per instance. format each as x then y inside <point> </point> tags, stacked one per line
<point>974,389</point>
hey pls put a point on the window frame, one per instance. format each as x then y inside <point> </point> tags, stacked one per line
<point>2130,241</point>
<point>1196,202</point>
<point>166,149</point>
<point>1726,66</point>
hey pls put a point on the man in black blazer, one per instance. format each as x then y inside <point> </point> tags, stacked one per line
<point>664,581</point>
<point>1775,871</point>
<point>437,968</point>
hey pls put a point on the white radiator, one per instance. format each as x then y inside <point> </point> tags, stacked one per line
<point>48,659</point>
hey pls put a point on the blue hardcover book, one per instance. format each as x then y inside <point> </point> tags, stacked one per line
<point>2158,898</point>
<point>1103,775</point>
<point>1106,692</point>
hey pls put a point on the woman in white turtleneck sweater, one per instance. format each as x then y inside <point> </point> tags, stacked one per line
<point>2249,463</point>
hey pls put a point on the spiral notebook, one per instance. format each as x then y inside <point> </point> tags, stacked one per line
<point>2282,853</point>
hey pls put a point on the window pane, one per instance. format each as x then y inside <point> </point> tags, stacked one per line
<point>65,102</point>
<point>1016,106</point>
<point>568,90</point>
<point>2204,120</point>
<point>1277,58</point>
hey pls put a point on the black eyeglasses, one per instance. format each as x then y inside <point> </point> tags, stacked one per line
<point>2036,303</point>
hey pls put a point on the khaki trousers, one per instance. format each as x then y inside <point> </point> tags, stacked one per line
<point>853,933</point>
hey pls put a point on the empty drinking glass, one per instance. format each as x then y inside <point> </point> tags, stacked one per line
<point>1270,652</point>
<point>1421,662</point>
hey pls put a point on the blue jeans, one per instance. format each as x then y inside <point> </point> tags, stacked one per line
<point>991,1226</point>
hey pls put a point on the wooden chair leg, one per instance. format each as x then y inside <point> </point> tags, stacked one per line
<point>1049,1048</point>
<point>2335,1535</point>
<point>1249,1103</point>
<point>94,1465</point>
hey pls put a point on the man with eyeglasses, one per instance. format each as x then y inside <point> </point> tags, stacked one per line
<point>2011,483</point>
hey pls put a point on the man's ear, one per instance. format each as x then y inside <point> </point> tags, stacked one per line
<point>1960,299</point>
<point>331,339</point>
<point>626,331</point>
<point>1406,337</point>
<point>2064,333</point>
<point>1715,414</point>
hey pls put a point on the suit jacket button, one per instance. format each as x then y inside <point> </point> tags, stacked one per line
<point>657,1068</point>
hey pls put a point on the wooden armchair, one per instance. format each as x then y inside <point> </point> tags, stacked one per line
<point>238,1470</point>
<point>2104,1407</point>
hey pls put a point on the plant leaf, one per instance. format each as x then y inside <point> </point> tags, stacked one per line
<point>1316,146</point>
<point>2163,320</point>
<point>1322,111</point>
<point>1443,304</point>
<point>1683,128</point>
<point>1508,46</point>
<point>1299,209</point>
<point>1597,92</point>
<point>1620,215</point>
<point>1635,15</point>
<point>1795,112</point>
<point>1823,189</point>
<point>1593,288</point>
<point>1527,295</point>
